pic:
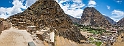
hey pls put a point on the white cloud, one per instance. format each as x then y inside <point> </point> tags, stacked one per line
<point>108,7</point>
<point>16,8</point>
<point>73,9</point>
<point>119,1</point>
<point>117,15</point>
<point>30,2</point>
<point>3,16</point>
<point>91,3</point>
<point>103,14</point>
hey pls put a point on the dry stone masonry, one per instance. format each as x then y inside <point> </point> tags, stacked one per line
<point>47,13</point>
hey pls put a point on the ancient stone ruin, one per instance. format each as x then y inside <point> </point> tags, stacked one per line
<point>47,13</point>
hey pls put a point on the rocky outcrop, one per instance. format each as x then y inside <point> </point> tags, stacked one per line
<point>4,24</point>
<point>93,17</point>
<point>2,19</point>
<point>47,13</point>
<point>121,22</point>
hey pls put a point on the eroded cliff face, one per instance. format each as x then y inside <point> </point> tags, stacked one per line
<point>93,17</point>
<point>47,13</point>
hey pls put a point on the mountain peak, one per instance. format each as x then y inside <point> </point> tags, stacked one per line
<point>93,17</point>
<point>90,8</point>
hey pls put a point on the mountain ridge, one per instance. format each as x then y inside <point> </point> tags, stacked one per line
<point>74,20</point>
<point>121,22</point>
<point>110,20</point>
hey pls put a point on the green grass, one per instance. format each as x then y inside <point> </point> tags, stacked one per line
<point>91,39</point>
<point>96,31</point>
<point>92,30</point>
<point>89,29</point>
<point>98,43</point>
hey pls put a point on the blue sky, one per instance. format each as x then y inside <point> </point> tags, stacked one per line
<point>111,8</point>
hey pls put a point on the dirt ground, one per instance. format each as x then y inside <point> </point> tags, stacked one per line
<point>60,41</point>
<point>15,37</point>
<point>119,41</point>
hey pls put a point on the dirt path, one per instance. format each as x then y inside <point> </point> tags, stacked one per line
<point>15,37</point>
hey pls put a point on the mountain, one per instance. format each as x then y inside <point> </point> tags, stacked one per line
<point>93,17</point>
<point>121,22</point>
<point>110,20</point>
<point>75,20</point>
<point>47,13</point>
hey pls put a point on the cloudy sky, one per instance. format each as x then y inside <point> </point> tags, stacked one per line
<point>111,8</point>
